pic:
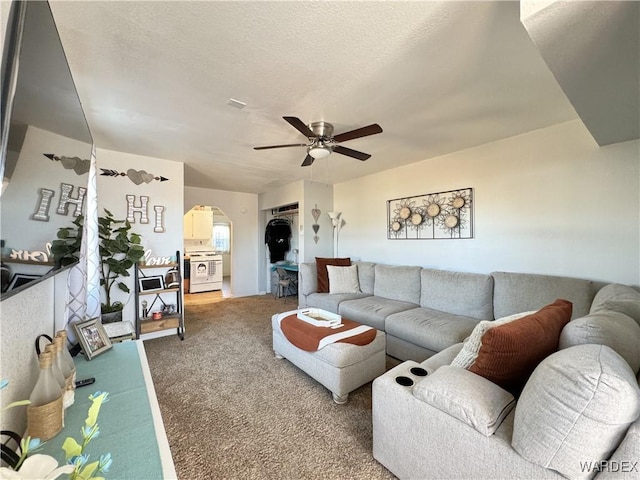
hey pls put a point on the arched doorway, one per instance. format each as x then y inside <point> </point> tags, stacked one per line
<point>207,246</point>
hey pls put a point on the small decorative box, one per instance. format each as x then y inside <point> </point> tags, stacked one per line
<point>319,317</point>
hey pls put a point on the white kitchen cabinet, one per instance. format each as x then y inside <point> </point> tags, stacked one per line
<point>198,224</point>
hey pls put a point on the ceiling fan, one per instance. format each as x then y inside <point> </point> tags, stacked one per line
<point>323,142</point>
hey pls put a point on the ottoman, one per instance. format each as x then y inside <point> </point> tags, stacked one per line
<point>340,367</point>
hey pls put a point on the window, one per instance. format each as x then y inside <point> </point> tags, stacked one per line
<point>222,237</point>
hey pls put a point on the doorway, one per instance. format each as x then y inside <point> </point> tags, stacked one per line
<point>207,231</point>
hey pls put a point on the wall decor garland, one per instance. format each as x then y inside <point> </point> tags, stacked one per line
<point>71,163</point>
<point>136,176</point>
<point>315,213</point>
<point>442,215</point>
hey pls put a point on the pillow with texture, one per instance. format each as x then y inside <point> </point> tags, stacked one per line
<point>510,352</point>
<point>472,344</point>
<point>576,407</point>
<point>343,279</point>
<point>469,398</point>
<point>323,276</point>
<point>619,298</point>
<point>613,329</point>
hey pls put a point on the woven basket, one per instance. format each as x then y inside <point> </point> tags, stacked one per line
<point>45,422</point>
<point>69,390</point>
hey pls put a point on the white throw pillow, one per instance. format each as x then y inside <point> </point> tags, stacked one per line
<point>343,279</point>
<point>471,347</point>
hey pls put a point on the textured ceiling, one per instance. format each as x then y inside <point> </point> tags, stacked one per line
<point>154,79</point>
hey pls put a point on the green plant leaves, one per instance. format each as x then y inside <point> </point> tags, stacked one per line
<point>119,249</point>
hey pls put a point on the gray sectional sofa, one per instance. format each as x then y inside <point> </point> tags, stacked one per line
<point>425,310</point>
<point>577,417</point>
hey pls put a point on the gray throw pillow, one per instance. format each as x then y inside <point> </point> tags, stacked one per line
<point>576,408</point>
<point>619,298</point>
<point>466,396</point>
<point>609,328</point>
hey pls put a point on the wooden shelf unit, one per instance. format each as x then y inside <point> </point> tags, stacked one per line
<point>146,324</point>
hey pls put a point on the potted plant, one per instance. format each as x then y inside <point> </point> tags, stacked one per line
<point>119,248</point>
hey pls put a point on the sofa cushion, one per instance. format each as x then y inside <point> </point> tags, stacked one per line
<point>343,279</point>
<point>471,346</point>
<point>616,330</point>
<point>619,298</point>
<point>321,270</point>
<point>510,352</point>
<point>428,328</point>
<point>372,311</point>
<point>466,294</point>
<point>366,276</point>
<point>469,398</point>
<point>575,408</point>
<point>398,283</point>
<point>308,278</point>
<point>520,292</point>
<point>329,302</point>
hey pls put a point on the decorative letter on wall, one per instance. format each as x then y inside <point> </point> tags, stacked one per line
<point>66,199</point>
<point>432,216</point>
<point>159,228</point>
<point>142,209</point>
<point>42,214</point>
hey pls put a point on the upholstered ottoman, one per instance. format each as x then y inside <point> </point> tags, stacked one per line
<point>340,367</point>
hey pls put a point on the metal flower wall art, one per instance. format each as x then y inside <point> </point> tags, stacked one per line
<point>442,215</point>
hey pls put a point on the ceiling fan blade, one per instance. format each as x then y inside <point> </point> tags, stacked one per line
<point>351,153</point>
<point>358,132</point>
<point>307,161</point>
<point>299,125</point>
<point>281,146</point>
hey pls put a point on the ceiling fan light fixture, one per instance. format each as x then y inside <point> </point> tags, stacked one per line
<point>319,151</point>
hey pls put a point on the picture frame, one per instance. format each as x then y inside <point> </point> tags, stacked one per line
<point>149,284</point>
<point>20,279</point>
<point>93,337</point>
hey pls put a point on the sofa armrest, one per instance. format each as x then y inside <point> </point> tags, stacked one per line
<point>470,398</point>
<point>444,357</point>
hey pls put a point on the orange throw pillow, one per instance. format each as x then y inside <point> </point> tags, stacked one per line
<point>323,276</point>
<point>510,353</point>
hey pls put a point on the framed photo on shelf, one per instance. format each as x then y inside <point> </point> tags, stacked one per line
<point>149,284</point>
<point>20,279</point>
<point>93,338</point>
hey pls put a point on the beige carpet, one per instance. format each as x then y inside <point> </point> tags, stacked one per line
<point>233,411</point>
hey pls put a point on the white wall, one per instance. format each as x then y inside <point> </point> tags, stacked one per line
<point>550,201</point>
<point>24,316</point>
<point>309,195</point>
<point>226,257</point>
<point>285,195</point>
<point>34,171</point>
<point>242,210</point>
<point>320,196</point>
<point>112,193</point>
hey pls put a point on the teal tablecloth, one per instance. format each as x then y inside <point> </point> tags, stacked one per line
<point>126,422</point>
<point>290,267</point>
